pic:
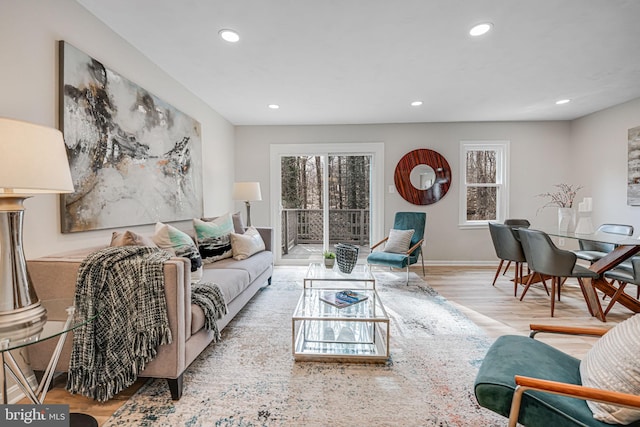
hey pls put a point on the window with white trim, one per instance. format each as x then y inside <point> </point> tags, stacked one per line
<point>483,182</point>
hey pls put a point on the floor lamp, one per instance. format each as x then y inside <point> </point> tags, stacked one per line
<point>249,192</point>
<point>33,160</point>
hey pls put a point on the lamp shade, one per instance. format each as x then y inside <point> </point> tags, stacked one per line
<point>33,159</point>
<point>247,191</point>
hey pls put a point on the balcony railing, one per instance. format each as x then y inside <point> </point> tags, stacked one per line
<point>304,226</point>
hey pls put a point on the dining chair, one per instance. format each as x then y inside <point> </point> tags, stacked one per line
<point>508,248</point>
<point>623,276</point>
<point>594,251</point>
<point>545,258</point>
<point>402,257</point>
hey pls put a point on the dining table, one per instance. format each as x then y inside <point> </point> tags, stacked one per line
<point>625,248</point>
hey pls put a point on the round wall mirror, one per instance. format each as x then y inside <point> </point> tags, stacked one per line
<point>422,177</point>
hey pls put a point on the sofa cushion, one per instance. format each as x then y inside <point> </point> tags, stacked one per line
<point>231,281</point>
<point>214,238</point>
<point>179,244</point>
<point>247,244</point>
<point>254,266</point>
<point>197,318</point>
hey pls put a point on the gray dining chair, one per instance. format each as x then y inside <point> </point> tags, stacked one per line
<point>508,248</point>
<point>623,276</point>
<point>545,258</point>
<point>594,251</point>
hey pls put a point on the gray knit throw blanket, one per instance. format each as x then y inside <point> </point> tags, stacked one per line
<point>209,298</point>
<point>124,286</point>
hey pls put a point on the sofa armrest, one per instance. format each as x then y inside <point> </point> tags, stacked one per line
<point>267,234</point>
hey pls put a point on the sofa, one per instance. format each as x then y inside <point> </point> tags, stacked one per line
<point>54,277</point>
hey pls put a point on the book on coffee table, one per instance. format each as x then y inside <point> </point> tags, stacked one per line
<point>343,298</point>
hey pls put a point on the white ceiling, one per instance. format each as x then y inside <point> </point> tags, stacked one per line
<point>364,61</point>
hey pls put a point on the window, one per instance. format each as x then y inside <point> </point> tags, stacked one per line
<point>483,182</point>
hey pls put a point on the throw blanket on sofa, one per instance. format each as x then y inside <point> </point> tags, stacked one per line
<point>209,298</point>
<point>124,286</point>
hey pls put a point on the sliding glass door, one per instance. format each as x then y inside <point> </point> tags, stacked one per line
<point>325,198</point>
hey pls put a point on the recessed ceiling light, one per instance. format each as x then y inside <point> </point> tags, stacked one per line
<point>416,103</point>
<point>274,106</point>
<point>563,101</point>
<point>480,29</point>
<point>229,35</point>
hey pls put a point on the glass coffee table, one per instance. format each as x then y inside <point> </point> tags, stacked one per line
<point>324,332</point>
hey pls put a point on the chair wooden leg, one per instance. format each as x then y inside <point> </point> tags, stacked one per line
<point>544,283</point>
<point>526,288</point>
<point>422,258</point>
<point>506,268</point>
<point>553,295</point>
<point>516,279</point>
<point>497,272</point>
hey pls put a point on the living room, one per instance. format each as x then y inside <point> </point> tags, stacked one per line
<point>589,150</point>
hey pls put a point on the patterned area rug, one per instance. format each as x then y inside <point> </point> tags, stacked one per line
<point>251,379</point>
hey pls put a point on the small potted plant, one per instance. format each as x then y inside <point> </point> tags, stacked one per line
<point>329,259</point>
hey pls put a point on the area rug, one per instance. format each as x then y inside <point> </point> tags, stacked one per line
<point>251,379</point>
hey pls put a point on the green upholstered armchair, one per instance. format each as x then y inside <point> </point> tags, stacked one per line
<point>403,221</point>
<point>537,385</point>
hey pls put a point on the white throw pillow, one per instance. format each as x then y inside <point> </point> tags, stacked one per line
<point>180,244</point>
<point>399,241</point>
<point>612,364</point>
<point>247,244</point>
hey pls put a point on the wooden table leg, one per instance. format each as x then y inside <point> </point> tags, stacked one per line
<point>591,298</point>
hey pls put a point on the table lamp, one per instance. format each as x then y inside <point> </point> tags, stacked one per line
<point>247,191</point>
<point>33,160</point>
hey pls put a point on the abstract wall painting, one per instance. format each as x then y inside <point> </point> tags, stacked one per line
<point>134,158</point>
<point>633,175</point>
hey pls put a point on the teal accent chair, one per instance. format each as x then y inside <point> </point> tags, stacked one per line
<point>537,385</point>
<point>403,221</point>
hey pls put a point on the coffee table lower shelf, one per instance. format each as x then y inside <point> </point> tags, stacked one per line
<point>357,341</point>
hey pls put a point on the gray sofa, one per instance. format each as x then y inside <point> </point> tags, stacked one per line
<point>54,277</point>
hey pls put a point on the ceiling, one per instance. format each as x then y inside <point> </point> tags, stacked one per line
<point>365,61</point>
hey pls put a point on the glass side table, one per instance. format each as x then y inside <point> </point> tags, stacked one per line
<point>61,319</point>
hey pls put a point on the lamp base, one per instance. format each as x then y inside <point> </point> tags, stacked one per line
<point>20,309</point>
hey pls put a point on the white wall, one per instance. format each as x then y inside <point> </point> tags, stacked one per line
<point>29,31</point>
<point>599,151</point>
<point>540,157</point>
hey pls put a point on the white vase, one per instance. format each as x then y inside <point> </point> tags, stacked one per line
<point>566,219</point>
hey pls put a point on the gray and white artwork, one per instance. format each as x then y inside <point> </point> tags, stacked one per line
<point>134,158</point>
<point>633,176</point>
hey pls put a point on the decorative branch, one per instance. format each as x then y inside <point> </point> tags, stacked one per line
<point>563,198</point>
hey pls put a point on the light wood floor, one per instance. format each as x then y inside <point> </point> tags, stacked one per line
<point>469,288</point>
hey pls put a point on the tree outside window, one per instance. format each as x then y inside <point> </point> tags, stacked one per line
<point>483,182</point>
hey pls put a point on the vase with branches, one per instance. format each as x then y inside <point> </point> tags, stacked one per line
<point>563,199</point>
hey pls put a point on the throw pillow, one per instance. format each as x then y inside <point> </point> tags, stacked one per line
<point>129,238</point>
<point>612,364</point>
<point>247,244</point>
<point>179,244</point>
<point>238,223</point>
<point>214,238</point>
<point>399,241</point>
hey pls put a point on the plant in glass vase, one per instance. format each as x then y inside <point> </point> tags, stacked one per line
<point>563,199</point>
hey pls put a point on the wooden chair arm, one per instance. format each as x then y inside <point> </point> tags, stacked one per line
<point>567,330</point>
<point>414,247</point>
<point>571,390</point>
<point>379,243</point>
